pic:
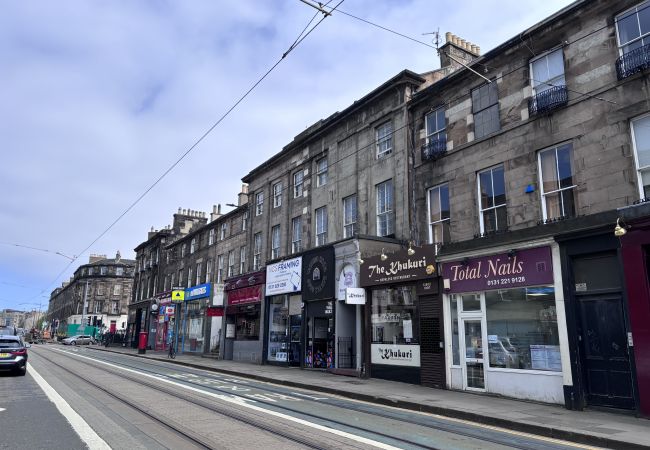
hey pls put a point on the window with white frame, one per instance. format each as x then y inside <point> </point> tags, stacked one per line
<point>296,234</point>
<point>98,308</point>
<point>492,200</point>
<point>321,172</point>
<point>183,250</point>
<point>384,139</point>
<point>242,259</point>
<point>155,284</point>
<point>275,242</point>
<point>115,308</point>
<point>385,218</point>
<point>100,289</point>
<point>557,183</point>
<point>349,216</point>
<point>485,107</point>
<point>173,278</point>
<point>103,270</point>
<point>244,221</point>
<point>211,236</point>
<point>257,251</point>
<point>180,277</point>
<point>223,231</point>
<point>208,271</point>
<point>117,289</point>
<point>633,28</point>
<point>547,71</point>
<point>436,126</point>
<point>259,203</point>
<point>321,226</point>
<point>277,195</point>
<point>198,274</point>
<point>192,246</point>
<point>119,271</point>
<point>438,199</point>
<point>297,184</point>
<point>189,277</point>
<point>641,145</point>
<point>231,263</point>
<point>220,269</point>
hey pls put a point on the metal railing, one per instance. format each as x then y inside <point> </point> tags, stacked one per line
<point>434,149</point>
<point>548,100</point>
<point>633,61</point>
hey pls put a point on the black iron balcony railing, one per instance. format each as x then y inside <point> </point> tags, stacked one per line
<point>434,149</point>
<point>548,100</point>
<point>633,61</point>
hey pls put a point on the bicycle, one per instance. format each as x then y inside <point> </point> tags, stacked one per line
<point>172,351</point>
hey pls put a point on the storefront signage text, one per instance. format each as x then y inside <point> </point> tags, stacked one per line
<point>347,279</point>
<point>518,268</point>
<point>355,296</point>
<point>200,291</point>
<point>284,277</point>
<point>317,275</point>
<point>395,355</point>
<point>399,267</point>
<point>252,294</point>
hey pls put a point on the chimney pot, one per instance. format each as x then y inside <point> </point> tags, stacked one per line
<point>219,208</point>
<point>448,36</point>
<point>179,210</point>
<point>214,209</point>
<point>461,43</point>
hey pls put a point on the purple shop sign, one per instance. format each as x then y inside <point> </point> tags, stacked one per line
<point>518,268</point>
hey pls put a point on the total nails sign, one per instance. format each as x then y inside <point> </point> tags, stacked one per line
<point>516,268</point>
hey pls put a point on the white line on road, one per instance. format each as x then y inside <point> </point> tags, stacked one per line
<point>244,405</point>
<point>2,409</point>
<point>80,426</point>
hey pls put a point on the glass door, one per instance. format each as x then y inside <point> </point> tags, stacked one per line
<point>473,354</point>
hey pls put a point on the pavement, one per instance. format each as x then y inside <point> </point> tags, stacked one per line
<point>603,429</point>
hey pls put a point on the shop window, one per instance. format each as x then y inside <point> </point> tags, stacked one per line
<point>395,316</point>
<point>557,183</point>
<point>278,349</point>
<point>455,343</point>
<point>492,200</point>
<point>248,324</point>
<point>522,329</point>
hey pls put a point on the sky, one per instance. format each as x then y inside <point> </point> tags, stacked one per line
<point>99,98</point>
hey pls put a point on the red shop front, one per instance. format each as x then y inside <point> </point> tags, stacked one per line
<point>635,249</point>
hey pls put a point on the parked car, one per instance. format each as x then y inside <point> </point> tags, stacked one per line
<point>13,354</point>
<point>78,339</point>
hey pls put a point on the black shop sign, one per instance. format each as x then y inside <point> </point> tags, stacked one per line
<point>318,278</point>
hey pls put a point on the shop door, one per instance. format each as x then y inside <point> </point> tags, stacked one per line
<point>602,331</point>
<point>605,357</point>
<point>473,363</point>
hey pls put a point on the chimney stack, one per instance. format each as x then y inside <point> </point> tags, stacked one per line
<point>216,212</point>
<point>457,49</point>
<point>242,197</point>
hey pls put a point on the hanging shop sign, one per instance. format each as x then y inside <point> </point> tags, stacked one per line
<point>284,277</point>
<point>200,291</point>
<point>242,296</point>
<point>347,279</point>
<point>395,355</point>
<point>355,296</point>
<point>178,294</point>
<point>528,267</point>
<point>399,267</point>
<point>318,274</point>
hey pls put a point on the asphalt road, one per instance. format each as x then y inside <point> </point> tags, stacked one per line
<point>138,403</point>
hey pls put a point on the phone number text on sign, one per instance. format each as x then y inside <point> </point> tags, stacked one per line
<point>505,281</point>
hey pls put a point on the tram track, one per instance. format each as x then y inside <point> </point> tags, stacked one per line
<point>178,429</point>
<point>448,428</point>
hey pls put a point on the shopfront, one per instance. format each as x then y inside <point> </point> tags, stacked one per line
<point>318,295</point>
<point>349,314</point>
<point>242,333</point>
<point>193,318</point>
<point>505,328</point>
<point>165,312</point>
<point>284,313</point>
<point>403,309</point>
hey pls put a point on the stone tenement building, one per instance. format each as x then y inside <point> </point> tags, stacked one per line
<point>106,285</point>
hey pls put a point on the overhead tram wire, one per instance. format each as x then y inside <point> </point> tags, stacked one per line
<point>301,37</point>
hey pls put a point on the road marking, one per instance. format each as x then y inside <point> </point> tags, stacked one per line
<point>245,405</point>
<point>2,409</point>
<point>80,426</point>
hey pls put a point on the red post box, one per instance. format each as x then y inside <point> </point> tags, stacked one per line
<point>142,343</point>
